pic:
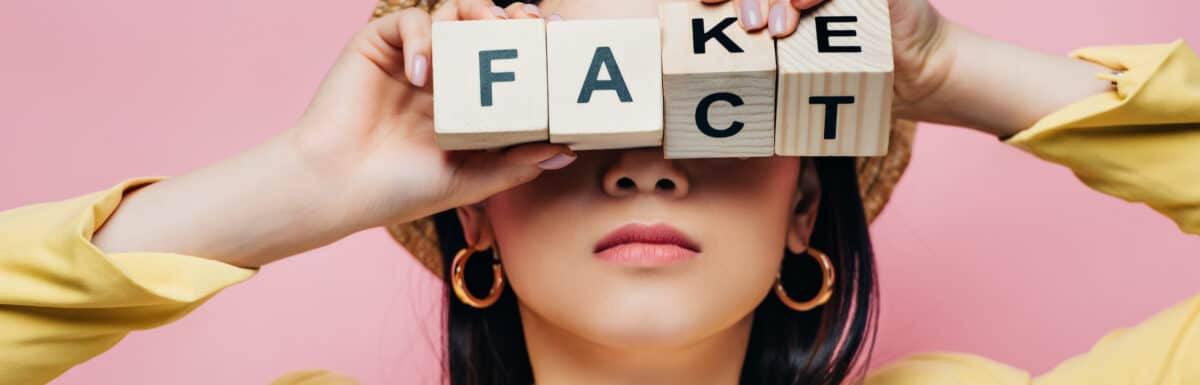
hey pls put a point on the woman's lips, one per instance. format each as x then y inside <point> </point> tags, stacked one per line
<point>646,246</point>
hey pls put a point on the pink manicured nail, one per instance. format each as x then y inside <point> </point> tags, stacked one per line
<point>532,9</point>
<point>751,15</point>
<point>777,19</point>
<point>802,4</point>
<point>499,12</point>
<point>420,70</point>
<point>558,161</point>
<point>554,17</point>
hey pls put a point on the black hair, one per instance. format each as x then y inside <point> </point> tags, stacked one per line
<point>825,346</point>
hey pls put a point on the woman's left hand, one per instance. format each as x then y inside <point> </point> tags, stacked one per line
<point>945,73</point>
<point>918,43</point>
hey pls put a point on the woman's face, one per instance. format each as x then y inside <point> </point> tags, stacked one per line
<point>737,216</point>
<point>648,287</point>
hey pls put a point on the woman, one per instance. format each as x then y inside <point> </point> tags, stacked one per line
<point>592,299</point>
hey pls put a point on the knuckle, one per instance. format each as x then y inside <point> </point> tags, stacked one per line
<point>517,8</point>
<point>412,15</point>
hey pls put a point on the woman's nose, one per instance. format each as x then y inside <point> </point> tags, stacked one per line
<point>645,171</point>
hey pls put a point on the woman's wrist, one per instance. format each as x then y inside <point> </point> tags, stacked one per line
<point>256,207</point>
<point>1000,88</point>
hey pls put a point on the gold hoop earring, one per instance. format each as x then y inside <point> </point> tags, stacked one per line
<point>826,284</point>
<point>458,268</point>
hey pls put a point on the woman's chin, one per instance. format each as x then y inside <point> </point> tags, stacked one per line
<point>647,325</point>
<point>646,333</point>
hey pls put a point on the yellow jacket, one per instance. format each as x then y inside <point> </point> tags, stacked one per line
<point>63,301</point>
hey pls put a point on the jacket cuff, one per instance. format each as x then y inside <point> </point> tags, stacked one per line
<point>52,245</point>
<point>177,277</point>
<point>1147,80</point>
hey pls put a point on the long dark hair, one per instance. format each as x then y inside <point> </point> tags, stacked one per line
<point>825,346</point>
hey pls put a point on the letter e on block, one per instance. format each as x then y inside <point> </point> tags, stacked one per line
<point>835,82</point>
<point>605,83</point>
<point>718,83</point>
<point>489,83</point>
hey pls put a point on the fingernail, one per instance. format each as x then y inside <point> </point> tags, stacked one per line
<point>420,71</point>
<point>558,161</point>
<point>554,17</point>
<point>532,9</point>
<point>499,12</point>
<point>777,19</point>
<point>751,16</point>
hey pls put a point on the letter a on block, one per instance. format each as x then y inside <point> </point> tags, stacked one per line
<point>835,82</point>
<point>605,83</point>
<point>489,83</point>
<point>718,83</point>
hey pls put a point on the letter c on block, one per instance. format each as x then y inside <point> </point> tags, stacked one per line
<point>702,115</point>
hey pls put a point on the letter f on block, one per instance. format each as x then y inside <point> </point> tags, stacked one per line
<point>487,77</point>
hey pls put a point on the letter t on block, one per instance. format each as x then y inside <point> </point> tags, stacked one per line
<point>718,83</point>
<point>835,82</point>
<point>489,83</point>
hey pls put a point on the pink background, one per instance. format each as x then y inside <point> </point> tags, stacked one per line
<point>984,249</point>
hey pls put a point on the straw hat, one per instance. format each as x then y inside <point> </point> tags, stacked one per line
<point>877,176</point>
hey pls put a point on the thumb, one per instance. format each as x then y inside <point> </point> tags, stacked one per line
<point>484,173</point>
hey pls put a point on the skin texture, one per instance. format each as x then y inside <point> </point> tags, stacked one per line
<point>588,321</point>
<point>622,324</point>
<point>363,155</point>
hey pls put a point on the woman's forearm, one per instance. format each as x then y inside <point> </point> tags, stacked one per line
<point>267,203</point>
<point>256,207</point>
<point>1001,88</point>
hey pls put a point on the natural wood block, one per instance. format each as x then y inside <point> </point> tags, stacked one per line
<point>835,81</point>
<point>718,83</point>
<point>489,83</point>
<point>605,83</point>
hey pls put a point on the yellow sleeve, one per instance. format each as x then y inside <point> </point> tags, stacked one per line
<point>1139,142</point>
<point>63,301</point>
<point>1163,350</point>
<point>314,377</point>
<point>946,369</point>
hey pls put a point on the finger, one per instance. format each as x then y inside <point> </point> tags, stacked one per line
<point>545,156</point>
<point>519,10</point>
<point>479,10</point>
<point>805,4</point>
<point>782,18</point>
<point>399,43</point>
<point>447,12</point>
<point>485,173</point>
<point>751,13</point>
<point>416,29</point>
<point>554,17</point>
<point>469,10</point>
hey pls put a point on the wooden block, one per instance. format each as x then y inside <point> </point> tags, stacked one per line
<point>605,83</point>
<point>489,83</point>
<point>835,81</point>
<point>718,83</point>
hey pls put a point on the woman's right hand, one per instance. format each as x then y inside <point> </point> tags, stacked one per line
<point>362,155</point>
<point>370,126</point>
